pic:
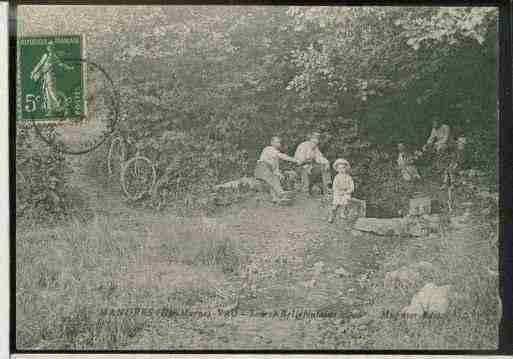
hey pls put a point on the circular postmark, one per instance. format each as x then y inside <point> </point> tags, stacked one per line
<point>70,102</point>
<point>79,121</point>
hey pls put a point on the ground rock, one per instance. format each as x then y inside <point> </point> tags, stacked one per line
<point>244,182</point>
<point>382,226</point>
<point>342,272</point>
<point>431,299</point>
<point>410,226</point>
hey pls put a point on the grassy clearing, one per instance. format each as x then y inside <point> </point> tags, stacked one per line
<point>62,274</point>
<point>66,274</point>
<point>266,257</point>
<point>464,258</point>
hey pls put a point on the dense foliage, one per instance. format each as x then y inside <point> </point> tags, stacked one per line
<point>204,89</point>
<point>42,190</point>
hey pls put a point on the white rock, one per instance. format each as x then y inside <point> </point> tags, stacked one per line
<point>382,226</point>
<point>429,300</point>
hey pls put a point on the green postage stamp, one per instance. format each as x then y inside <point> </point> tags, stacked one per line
<point>51,79</point>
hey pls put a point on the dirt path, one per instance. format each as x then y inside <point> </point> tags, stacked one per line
<point>295,252</point>
<point>134,257</point>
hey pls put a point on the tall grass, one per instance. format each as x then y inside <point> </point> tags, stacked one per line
<point>464,260</point>
<point>65,275</point>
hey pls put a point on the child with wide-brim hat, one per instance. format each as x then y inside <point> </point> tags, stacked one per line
<point>343,187</point>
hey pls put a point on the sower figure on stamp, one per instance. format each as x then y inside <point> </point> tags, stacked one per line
<point>46,70</point>
<point>268,168</point>
<point>314,164</point>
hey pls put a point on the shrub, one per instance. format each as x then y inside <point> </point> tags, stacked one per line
<point>42,189</point>
<point>377,181</point>
<point>189,166</point>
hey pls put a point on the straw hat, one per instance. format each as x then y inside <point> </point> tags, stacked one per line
<point>339,162</point>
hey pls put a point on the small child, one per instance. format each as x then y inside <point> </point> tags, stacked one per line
<point>343,187</point>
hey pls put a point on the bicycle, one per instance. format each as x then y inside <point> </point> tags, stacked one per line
<point>138,174</point>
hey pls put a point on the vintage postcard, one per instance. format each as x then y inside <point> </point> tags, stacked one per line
<point>256,178</point>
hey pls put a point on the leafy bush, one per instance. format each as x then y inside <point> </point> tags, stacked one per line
<point>42,190</point>
<point>378,182</point>
<point>188,166</point>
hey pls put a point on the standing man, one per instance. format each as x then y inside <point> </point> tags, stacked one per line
<point>456,163</point>
<point>439,141</point>
<point>268,168</point>
<point>314,164</point>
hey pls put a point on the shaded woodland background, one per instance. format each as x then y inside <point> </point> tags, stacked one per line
<point>204,88</point>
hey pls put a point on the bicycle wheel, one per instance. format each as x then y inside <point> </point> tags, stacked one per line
<point>116,156</point>
<point>138,177</point>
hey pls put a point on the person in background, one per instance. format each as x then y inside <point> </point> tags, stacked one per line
<point>408,170</point>
<point>456,163</point>
<point>343,187</point>
<point>313,164</point>
<point>436,147</point>
<point>268,168</point>
<point>439,137</point>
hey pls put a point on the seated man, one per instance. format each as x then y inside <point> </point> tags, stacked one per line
<point>314,163</point>
<point>268,168</point>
